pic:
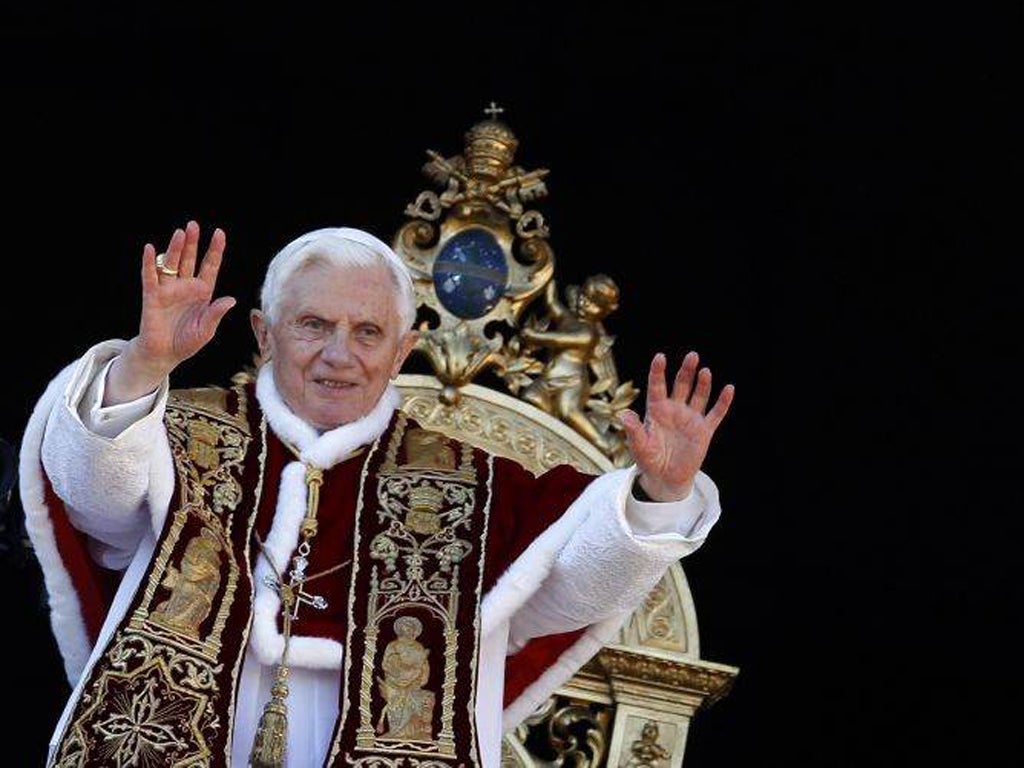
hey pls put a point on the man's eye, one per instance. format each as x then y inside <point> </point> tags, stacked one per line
<point>368,332</point>
<point>311,327</point>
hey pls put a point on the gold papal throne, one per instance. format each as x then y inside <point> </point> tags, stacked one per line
<point>488,301</point>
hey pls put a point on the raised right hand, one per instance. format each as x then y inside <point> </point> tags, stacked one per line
<point>179,315</point>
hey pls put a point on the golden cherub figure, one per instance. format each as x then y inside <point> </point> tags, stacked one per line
<point>579,345</point>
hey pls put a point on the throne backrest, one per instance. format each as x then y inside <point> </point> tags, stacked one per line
<point>484,271</point>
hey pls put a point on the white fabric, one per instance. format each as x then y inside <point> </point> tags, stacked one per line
<point>323,451</point>
<point>588,563</point>
<point>111,420</point>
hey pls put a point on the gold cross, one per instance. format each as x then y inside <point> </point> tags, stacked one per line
<point>494,110</point>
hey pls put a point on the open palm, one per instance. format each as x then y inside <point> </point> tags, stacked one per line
<point>179,314</point>
<point>670,444</point>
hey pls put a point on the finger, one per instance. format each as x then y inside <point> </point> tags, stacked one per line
<point>214,314</point>
<point>212,260</point>
<point>636,434</point>
<point>150,279</point>
<point>656,381</point>
<point>172,256</point>
<point>702,391</point>
<point>721,407</point>
<point>683,384</point>
<point>187,265</point>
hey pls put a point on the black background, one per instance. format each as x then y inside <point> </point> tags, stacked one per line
<point>821,199</point>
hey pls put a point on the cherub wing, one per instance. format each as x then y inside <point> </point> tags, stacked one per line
<point>607,395</point>
<point>602,364</point>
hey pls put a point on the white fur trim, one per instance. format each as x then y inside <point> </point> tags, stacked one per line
<point>66,618</point>
<point>593,540</point>
<point>322,451</point>
<point>565,666</point>
<point>524,577</point>
<point>286,425</point>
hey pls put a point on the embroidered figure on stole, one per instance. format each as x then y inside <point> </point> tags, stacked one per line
<point>408,709</point>
<point>193,587</point>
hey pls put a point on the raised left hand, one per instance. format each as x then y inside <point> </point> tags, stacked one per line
<point>670,444</point>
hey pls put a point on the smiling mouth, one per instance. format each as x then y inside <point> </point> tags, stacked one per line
<point>337,386</point>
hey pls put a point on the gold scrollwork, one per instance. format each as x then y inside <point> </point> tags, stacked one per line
<point>712,682</point>
<point>563,732</point>
<point>560,360</point>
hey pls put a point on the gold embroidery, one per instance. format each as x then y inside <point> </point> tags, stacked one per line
<point>202,444</point>
<point>193,588</point>
<point>139,718</point>
<point>152,697</point>
<point>428,450</point>
<point>257,498</point>
<point>425,500</point>
<point>424,510</point>
<point>414,574</point>
<point>408,708</point>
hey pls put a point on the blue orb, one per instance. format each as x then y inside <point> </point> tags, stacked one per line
<point>470,274</point>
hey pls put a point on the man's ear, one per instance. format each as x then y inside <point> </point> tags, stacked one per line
<point>405,346</point>
<point>261,330</point>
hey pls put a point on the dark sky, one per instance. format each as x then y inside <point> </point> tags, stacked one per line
<point>823,200</point>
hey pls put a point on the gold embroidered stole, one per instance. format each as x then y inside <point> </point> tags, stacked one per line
<point>162,692</point>
<point>409,679</point>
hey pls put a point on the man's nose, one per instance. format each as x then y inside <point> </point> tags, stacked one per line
<point>336,349</point>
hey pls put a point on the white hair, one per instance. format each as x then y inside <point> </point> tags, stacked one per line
<point>342,247</point>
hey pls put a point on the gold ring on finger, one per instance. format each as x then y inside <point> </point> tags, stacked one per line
<point>162,268</point>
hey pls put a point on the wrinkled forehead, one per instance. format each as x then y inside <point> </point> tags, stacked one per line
<point>320,283</point>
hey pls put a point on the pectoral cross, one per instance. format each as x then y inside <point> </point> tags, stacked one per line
<point>293,595</point>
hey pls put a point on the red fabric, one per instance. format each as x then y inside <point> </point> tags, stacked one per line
<point>533,659</point>
<point>94,585</point>
<point>523,506</point>
<point>331,545</point>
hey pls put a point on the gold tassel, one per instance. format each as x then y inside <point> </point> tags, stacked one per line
<point>271,742</point>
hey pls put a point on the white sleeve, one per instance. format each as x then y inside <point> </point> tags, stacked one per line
<point>616,556</point>
<point>101,461</point>
<point>652,518</point>
<point>112,420</point>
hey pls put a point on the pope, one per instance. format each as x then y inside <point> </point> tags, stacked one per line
<point>229,568</point>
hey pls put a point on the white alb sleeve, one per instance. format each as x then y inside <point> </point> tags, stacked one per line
<point>610,562</point>
<point>101,461</point>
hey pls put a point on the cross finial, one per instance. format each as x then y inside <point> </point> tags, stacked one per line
<point>493,111</point>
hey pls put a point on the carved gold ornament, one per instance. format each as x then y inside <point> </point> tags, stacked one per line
<point>479,257</point>
<point>478,249</point>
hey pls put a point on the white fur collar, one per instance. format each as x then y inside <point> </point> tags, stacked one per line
<point>322,451</point>
<point>327,449</point>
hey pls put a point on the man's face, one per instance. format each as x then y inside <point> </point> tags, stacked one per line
<point>336,343</point>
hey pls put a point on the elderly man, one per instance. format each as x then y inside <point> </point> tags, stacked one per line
<point>293,572</point>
